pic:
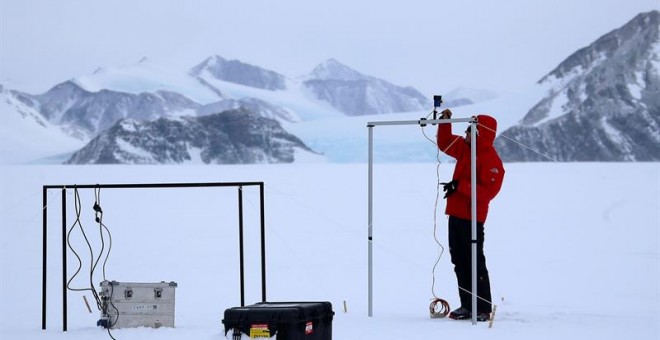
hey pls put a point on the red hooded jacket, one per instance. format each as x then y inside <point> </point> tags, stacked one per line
<point>490,171</point>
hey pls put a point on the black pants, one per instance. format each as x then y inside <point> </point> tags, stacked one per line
<point>460,248</point>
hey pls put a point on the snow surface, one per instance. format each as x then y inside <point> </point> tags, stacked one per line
<point>557,108</point>
<point>573,249</point>
<point>294,97</point>
<point>637,87</point>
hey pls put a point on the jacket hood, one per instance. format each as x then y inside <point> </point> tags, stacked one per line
<point>487,128</point>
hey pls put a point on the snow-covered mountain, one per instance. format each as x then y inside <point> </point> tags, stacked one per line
<point>26,135</point>
<point>356,94</point>
<point>230,137</point>
<point>330,90</point>
<point>602,103</point>
<point>68,104</point>
<point>87,105</point>
<point>148,76</point>
<point>261,107</point>
<point>235,71</point>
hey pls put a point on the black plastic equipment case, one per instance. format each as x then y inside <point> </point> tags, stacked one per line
<point>289,320</point>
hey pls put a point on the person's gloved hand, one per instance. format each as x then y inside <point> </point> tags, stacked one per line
<point>449,188</point>
<point>445,114</point>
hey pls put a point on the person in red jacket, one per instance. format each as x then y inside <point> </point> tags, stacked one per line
<point>458,192</point>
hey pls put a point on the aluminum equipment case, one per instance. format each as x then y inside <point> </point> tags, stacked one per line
<point>134,304</point>
<point>287,320</point>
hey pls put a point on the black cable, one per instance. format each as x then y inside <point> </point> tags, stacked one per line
<point>439,312</point>
<point>98,210</point>
<point>110,334</point>
<point>93,262</point>
<point>112,292</point>
<point>107,255</point>
<point>98,217</point>
<point>77,223</point>
<point>113,306</point>
<point>68,241</point>
<point>434,310</point>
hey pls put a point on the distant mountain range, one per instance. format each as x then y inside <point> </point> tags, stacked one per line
<point>602,103</point>
<point>90,106</point>
<point>94,103</point>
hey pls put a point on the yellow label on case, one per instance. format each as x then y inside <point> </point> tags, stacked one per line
<point>259,331</point>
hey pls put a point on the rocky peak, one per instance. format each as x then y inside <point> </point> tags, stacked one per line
<point>332,69</point>
<point>602,102</point>
<point>235,71</point>
<point>640,32</point>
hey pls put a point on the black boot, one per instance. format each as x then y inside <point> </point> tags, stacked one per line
<point>460,314</point>
<point>483,316</point>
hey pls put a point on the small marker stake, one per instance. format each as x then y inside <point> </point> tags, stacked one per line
<point>492,317</point>
<point>87,304</point>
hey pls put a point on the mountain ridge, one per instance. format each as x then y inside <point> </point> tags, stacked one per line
<point>602,102</point>
<point>229,137</point>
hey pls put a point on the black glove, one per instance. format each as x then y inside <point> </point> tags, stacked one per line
<point>449,188</point>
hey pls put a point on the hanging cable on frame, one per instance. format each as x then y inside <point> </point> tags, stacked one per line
<point>439,308</point>
<point>101,305</point>
<point>78,223</point>
<point>99,219</point>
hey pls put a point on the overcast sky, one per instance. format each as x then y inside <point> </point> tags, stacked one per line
<point>432,45</point>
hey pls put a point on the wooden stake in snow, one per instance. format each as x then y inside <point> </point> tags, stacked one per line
<point>492,317</point>
<point>87,304</point>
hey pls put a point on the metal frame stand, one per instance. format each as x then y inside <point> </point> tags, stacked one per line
<point>239,185</point>
<point>473,172</point>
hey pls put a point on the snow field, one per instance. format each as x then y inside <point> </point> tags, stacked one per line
<point>573,249</point>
